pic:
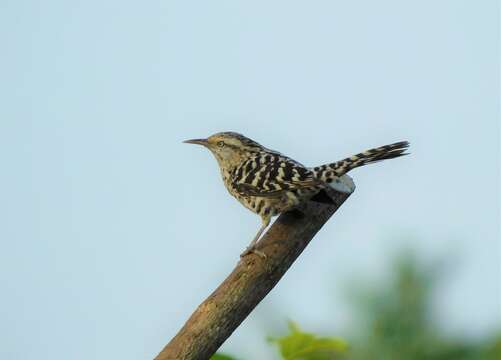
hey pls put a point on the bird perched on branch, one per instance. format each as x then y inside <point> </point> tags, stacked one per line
<point>269,183</point>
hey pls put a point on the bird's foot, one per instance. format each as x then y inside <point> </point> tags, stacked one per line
<point>252,250</point>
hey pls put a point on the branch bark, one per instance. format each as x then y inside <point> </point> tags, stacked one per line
<point>251,280</point>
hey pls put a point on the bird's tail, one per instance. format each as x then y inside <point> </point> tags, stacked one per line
<point>332,172</point>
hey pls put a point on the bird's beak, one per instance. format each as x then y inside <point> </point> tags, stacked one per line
<point>203,142</point>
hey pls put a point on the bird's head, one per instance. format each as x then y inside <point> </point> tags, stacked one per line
<point>229,148</point>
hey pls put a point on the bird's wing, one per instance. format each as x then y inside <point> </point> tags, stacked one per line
<point>270,175</point>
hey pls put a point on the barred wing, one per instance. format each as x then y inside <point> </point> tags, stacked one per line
<point>270,175</point>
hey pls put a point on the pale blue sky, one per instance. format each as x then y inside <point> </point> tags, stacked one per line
<point>113,231</point>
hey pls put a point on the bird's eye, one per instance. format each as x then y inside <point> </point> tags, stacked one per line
<point>220,143</point>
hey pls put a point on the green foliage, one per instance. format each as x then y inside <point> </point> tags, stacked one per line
<point>219,356</point>
<point>299,345</point>
<point>396,323</point>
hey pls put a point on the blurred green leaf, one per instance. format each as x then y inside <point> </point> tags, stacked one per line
<point>492,350</point>
<point>299,345</point>
<point>396,321</point>
<point>222,357</point>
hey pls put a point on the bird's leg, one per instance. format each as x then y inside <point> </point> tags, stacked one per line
<point>252,246</point>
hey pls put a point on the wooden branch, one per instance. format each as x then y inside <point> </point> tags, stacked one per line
<point>252,279</point>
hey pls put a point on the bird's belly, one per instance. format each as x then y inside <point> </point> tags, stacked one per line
<point>258,204</point>
<point>271,206</point>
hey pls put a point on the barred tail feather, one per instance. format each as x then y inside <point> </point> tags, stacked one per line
<point>330,172</point>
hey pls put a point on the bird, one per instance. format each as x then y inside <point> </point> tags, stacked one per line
<point>269,183</point>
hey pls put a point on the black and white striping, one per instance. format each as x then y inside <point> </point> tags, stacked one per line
<point>269,183</point>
